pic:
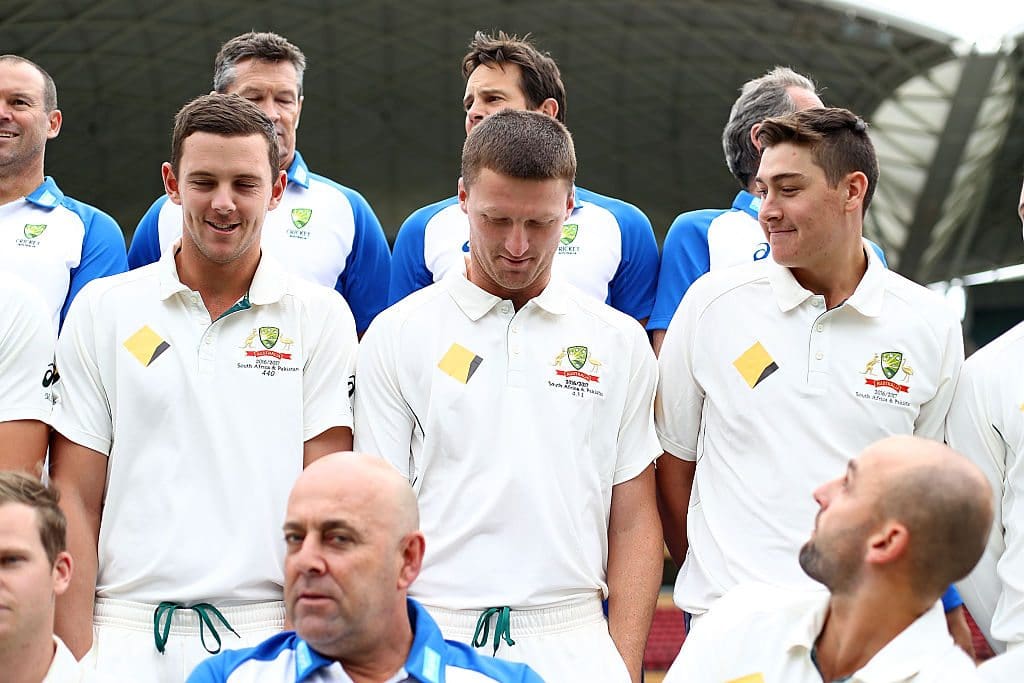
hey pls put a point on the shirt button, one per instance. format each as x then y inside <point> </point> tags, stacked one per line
<point>819,355</point>
<point>821,328</point>
<point>515,350</point>
<point>817,302</point>
<point>505,309</point>
<point>208,341</point>
<point>514,329</point>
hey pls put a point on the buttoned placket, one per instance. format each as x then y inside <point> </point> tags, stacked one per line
<point>513,343</point>
<point>819,346</point>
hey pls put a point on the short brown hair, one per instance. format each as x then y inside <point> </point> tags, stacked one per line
<point>49,87</point>
<point>519,144</point>
<point>266,47</point>
<point>227,115</point>
<point>22,489</point>
<point>540,78</point>
<point>837,138</point>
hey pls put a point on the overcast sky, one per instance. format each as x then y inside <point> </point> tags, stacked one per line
<point>981,21</point>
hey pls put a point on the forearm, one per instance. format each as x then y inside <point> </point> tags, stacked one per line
<point>674,483</point>
<point>74,611</point>
<point>23,446</point>
<point>634,574</point>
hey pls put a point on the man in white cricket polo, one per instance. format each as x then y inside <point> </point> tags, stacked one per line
<point>772,372</point>
<point>520,410</point>
<point>908,517</point>
<point>192,393</point>
<point>986,423</point>
<point>323,231</point>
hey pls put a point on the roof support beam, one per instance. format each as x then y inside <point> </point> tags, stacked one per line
<point>975,82</point>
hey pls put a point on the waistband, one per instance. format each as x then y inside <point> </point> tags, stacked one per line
<point>138,616</point>
<point>461,624</point>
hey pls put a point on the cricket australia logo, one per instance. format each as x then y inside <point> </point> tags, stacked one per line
<point>565,243</point>
<point>268,338</point>
<point>575,377</point>
<point>300,218</point>
<point>882,372</point>
<point>32,231</point>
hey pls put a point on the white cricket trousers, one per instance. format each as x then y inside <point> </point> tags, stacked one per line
<point>124,647</point>
<point>569,642</point>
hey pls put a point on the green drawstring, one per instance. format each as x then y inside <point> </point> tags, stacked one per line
<point>502,627</point>
<point>165,610</point>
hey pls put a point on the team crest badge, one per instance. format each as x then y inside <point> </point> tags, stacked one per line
<point>269,336</point>
<point>569,231</point>
<point>577,356</point>
<point>33,231</point>
<point>891,362</point>
<point>300,217</point>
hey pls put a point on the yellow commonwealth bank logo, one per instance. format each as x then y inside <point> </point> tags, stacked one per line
<point>146,345</point>
<point>755,365</point>
<point>459,363</point>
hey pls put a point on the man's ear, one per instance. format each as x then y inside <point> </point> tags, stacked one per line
<point>888,544</point>
<point>62,568</point>
<point>856,187</point>
<point>549,107</point>
<point>170,182</point>
<point>754,130</point>
<point>412,548</point>
<point>463,195</point>
<point>277,189</point>
<point>53,122</point>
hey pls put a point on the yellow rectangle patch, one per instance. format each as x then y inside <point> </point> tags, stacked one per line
<point>755,364</point>
<point>459,363</point>
<point>146,345</point>
<point>749,678</point>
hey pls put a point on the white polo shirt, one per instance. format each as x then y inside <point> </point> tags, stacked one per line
<point>27,338</point>
<point>203,421</point>
<point>772,395</point>
<point>763,634</point>
<point>512,427</point>
<point>1006,668</point>
<point>65,668</point>
<point>986,423</point>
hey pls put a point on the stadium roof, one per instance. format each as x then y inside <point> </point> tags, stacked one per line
<point>650,84</point>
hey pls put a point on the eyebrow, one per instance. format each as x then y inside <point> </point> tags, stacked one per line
<point>779,177</point>
<point>199,175</point>
<point>851,470</point>
<point>325,525</point>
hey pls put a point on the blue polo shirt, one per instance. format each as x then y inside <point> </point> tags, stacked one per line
<point>321,231</point>
<point>432,659</point>
<point>58,244</point>
<point>607,250</point>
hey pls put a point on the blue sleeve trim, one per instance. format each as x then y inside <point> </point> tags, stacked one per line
<point>364,282</point>
<point>409,271</point>
<point>684,258</point>
<point>951,599</point>
<point>103,251</point>
<point>145,248</point>
<point>632,288</point>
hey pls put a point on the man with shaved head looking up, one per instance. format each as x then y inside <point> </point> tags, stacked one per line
<point>353,549</point>
<point>908,517</point>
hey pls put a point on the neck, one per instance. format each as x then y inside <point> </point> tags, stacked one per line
<point>838,279</point>
<point>21,182</point>
<point>381,659</point>
<point>27,660</point>
<point>858,626</point>
<point>219,284</point>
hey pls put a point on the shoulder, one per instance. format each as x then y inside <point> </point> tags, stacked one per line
<point>994,358</point>
<point>128,285</point>
<point>421,306</point>
<point>420,217</point>
<point>325,186</point>
<point>221,666</point>
<point>692,222</point>
<point>92,218</point>
<point>921,301</point>
<point>723,286</point>
<point>627,215</point>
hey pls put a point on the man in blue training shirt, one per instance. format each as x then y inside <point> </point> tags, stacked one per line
<point>607,248</point>
<point>53,242</point>
<point>322,231</point>
<point>353,548</point>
